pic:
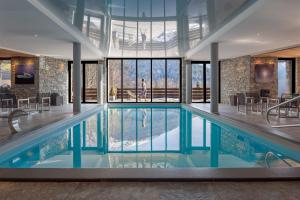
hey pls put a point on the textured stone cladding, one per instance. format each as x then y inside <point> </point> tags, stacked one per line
<point>298,75</point>
<point>53,75</point>
<point>272,86</point>
<point>183,80</point>
<point>235,77</point>
<point>24,90</point>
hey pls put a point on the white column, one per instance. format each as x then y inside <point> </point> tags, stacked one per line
<point>78,22</point>
<point>188,76</point>
<point>76,77</point>
<point>214,55</point>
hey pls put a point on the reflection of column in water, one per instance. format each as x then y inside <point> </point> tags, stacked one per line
<point>215,145</point>
<point>76,147</point>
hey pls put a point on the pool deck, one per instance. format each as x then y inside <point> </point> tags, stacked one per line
<point>257,120</point>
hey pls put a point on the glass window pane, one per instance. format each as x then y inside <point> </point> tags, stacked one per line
<point>158,39</point>
<point>116,43</point>
<point>85,25</point>
<point>94,30</point>
<point>284,77</point>
<point>158,81</point>
<point>159,131</point>
<point>173,130</point>
<point>117,7</point>
<point>197,83</point>
<point>129,131</point>
<point>171,39</point>
<point>91,82</point>
<point>194,31</point>
<point>131,8</point>
<point>144,39</point>
<point>115,130</point>
<point>91,132</point>
<point>173,80</point>
<point>208,82</point>
<point>114,81</point>
<point>130,39</point>
<point>170,6</point>
<point>144,129</point>
<point>129,80</point>
<point>144,87</point>
<point>5,73</point>
<point>144,8</point>
<point>157,8</point>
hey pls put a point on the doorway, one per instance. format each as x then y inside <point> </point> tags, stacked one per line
<point>89,71</point>
<point>201,82</point>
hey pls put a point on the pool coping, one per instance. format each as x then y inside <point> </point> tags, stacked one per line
<point>148,174</point>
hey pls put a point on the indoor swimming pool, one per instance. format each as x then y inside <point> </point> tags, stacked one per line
<point>149,137</point>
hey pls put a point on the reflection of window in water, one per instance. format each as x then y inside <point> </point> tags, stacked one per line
<point>144,120</point>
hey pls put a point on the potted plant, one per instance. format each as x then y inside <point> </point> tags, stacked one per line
<point>113,93</point>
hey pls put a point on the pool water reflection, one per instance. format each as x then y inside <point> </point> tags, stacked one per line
<point>149,137</point>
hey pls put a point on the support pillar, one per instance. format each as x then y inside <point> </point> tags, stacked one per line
<point>76,77</point>
<point>214,55</point>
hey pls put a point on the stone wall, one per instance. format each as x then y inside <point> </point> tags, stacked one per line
<point>298,75</point>
<point>272,86</point>
<point>53,75</point>
<point>183,80</point>
<point>24,90</point>
<point>238,75</point>
<point>235,77</point>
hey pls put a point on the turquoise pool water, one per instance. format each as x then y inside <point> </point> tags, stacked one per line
<point>150,137</point>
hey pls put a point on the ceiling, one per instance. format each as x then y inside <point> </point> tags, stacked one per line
<point>25,29</point>
<point>5,53</point>
<point>284,53</point>
<point>273,25</point>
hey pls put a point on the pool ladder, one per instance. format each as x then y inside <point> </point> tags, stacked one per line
<point>277,157</point>
<point>13,124</point>
<point>277,107</point>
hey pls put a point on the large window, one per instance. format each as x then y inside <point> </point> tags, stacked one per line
<point>144,80</point>
<point>201,82</point>
<point>5,73</point>
<point>286,76</point>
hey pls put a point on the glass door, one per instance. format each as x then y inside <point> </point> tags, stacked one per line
<point>88,82</point>
<point>201,82</point>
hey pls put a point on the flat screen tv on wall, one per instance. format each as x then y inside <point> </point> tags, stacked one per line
<point>24,74</point>
<point>264,73</point>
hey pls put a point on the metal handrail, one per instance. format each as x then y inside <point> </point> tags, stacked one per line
<point>273,154</point>
<point>278,106</point>
<point>14,124</point>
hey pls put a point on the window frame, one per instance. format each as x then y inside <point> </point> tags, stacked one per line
<point>204,63</point>
<point>83,79</point>
<point>151,81</point>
